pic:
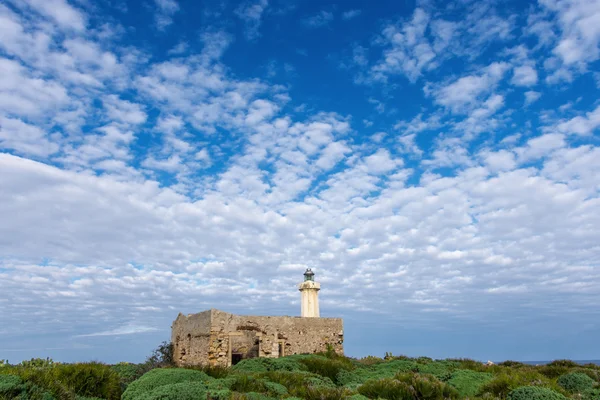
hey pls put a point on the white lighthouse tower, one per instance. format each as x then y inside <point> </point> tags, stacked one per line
<point>309,290</point>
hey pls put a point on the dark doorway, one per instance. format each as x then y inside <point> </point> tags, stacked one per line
<point>236,358</point>
<point>281,353</point>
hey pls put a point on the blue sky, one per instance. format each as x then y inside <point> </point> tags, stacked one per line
<point>436,163</point>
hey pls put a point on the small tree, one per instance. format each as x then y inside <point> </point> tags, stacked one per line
<point>162,356</point>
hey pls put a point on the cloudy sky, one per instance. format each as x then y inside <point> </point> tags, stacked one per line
<point>436,163</point>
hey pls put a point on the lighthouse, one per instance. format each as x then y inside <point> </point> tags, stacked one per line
<point>309,290</point>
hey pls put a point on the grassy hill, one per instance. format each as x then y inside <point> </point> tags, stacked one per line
<point>322,376</point>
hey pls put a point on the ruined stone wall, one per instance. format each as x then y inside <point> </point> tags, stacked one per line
<point>190,336</point>
<point>215,337</point>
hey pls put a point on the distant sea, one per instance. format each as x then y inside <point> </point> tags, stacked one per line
<point>597,362</point>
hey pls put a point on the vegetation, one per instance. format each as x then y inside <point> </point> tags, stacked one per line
<point>325,376</point>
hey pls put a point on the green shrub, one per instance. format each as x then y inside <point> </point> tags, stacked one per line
<point>13,387</point>
<point>369,360</point>
<point>128,373</point>
<point>297,383</point>
<point>223,394</point>
<point>427,387</point>
<point>503,383</point>
<point>591,394</point>
<point>66,381</point>
<point>563,363</point>
<point>355,397</point>
<point>534,393</point>
<point>329,368</point>
<point>37,363</point>
<point>251,396</point>
<point>89,380</point>
<point>276,388</point>
<point>592,373</point>
<point>512,364</point>
<point>324,393</point>
<point>553,371</point>
<point>440,369</point>
<point>162,377</point>
<point>247,384</point>
<point>387,388</point>
<point>269,364</point>
<point>467,363</point>
<point>220,384</point>
<point>10,385</point>
<point>576,382</point>
<point>387,369</point>
<point>215,371</point>
<point>177,391</point>
<point>469,382</point>
<point>288,379</point>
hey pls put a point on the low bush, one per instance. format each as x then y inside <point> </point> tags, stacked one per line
<point>13,387</point>
<point>10,386</point>
<point>469,382</point>
<point>387,388</point>
<point>553,371</point>
<point>507,380</point>
<point>369,360</point>
<point>269,364</point>
<point>220,384</point>
<point>247,384</point>
<point>428,387</point>
<point>251,396</point>
<point>37,363</point>
<point>563,363</point>
<point>534,393</point>
<point>327,367</point>
<point>387,369</point>
<point>128,372</point>
<point>162,377</point>
<point>214,371</point>
<point>324,393</point>
<point>591,394</point>
<point>512,364</point>
<point>66,381</point>
<point>441,369</point>
<point>576,382</point>
<point>89,380</point>
<point>177,391</point>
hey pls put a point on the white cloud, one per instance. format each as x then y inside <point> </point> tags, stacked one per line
<point>531,97</point>
<point>581,125</point>
<point>524,76</point>
<point>541,146</point>
<point>25,138</point>
<point>408,52</point>
<point>124,110</point>
<point>251,13</point>
<point>579,21</point>
<point>165,9</point>
<point>467,91</point>
<point>123,330</point>
<point>350,14</point>
<point>381,162</point>
<point>502,160</point>
<point>60,11</point>
<point>24,95</point>
<point>321,19</point>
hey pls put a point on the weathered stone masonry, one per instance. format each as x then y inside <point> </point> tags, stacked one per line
<point>215,337</point>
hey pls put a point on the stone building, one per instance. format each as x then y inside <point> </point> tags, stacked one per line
<point>215,337</point>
